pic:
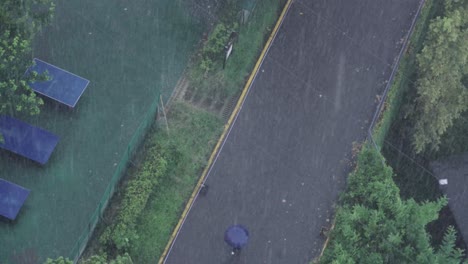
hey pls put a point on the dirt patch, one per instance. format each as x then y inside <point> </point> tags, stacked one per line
<point>180,90</point>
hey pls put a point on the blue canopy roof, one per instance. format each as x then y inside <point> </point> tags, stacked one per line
<point>12,198</point>
<point>62,86</point>
<point>27,140</point>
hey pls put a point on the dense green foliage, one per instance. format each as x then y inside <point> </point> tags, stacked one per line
<point>136,194</point>
<point>374,225</point>
<point>213,51</point>
<point>96,259</point>
<point>442,94</point>
<point>210,59</point>
<point>15,93</point>
<point>102,259</point>
<point>19,21</point>
<point>59,260</point>
<point>455,140</point>
<point>25,17</point>
<point>393,132</point>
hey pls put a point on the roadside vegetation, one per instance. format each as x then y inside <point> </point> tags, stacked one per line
<point>441,85</point>
<point>148,205</point>
<point>186,147</point>
<point>373,224</point>
<point>402,217</point>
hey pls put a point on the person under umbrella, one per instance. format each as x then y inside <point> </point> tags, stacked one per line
<point>236,236</point>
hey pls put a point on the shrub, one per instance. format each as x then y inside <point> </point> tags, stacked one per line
<point>213,51</point>
<point>59,260</point>
<point>375,225</point>
<point>120,234</point>
<point>102,259</point>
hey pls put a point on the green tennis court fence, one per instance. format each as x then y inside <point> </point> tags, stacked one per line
<point>133,145</point>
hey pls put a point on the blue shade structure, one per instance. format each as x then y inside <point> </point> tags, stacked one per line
<point>62,86</point>
<point>236,236</point>
<point>26,140</point>
<point>12,198</point>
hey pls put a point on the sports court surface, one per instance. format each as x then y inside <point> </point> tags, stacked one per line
<point>286,157</point>
<point>129,51</point>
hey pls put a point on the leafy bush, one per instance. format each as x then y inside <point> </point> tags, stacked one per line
<point>15,93</point>
<point>59,260</point>
<point>374,225</point>
<point>208,79</point>
<point>19,21</point>
<point>442,66</point>
<point>26,17</point>
<point>134,201</point>
<point>213,50</point>
<point>102,259</point>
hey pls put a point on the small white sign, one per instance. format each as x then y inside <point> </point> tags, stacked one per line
<point>229,51</point>
<point>443,182</point>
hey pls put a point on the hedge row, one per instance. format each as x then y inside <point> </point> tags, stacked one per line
<point>120,234</point>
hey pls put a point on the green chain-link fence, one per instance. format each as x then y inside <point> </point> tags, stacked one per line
<point>137,138</point>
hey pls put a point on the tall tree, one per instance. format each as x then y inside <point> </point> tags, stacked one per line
<point>25,16</point>
<point>442,94</point>
<point>19,21</point>
<point>374,225</point>
<point>15,93</point>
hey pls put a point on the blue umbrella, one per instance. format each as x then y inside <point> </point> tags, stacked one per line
<point>236,236</point>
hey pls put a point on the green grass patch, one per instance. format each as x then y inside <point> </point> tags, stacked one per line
<point>192,135</point>
<point>221,84</point>
<point>251,42</point>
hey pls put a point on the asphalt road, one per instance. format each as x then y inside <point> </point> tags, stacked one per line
<point>287,156</point>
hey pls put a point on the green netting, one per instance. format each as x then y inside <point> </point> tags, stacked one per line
<point>131,51</point>
<point>119,171</point>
